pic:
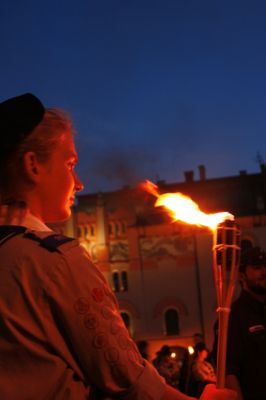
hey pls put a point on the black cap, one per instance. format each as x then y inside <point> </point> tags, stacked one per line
<point>164,351</point>
<point>18,117</point>
<point>253,256</point>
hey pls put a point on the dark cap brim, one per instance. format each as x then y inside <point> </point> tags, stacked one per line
<point>18,117</point>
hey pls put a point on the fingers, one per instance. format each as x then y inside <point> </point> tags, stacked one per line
<point>212,393</point>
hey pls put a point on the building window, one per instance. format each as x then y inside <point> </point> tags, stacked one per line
<point>85,231</point>
<point>126,319</point>
<point>120,281</point>
<point>124,281</point>
<point>171,318</point>
<point>79,232</point>
<point>117,228</point>
<point>123,227</point>
<point>92,230</point>
<point>128,322</point>
<point>116,281</point>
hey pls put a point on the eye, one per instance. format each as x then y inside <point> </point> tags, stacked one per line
<point>71,165</point>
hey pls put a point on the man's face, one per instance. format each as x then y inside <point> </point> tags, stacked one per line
<point>254,279</point>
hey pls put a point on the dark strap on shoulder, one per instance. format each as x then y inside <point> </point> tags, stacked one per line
<point>51,242</point>
<point>9,231</point>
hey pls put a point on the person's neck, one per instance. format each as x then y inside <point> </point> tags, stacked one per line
<point>22,216</point>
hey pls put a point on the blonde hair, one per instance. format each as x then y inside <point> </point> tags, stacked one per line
<point>49,132</point>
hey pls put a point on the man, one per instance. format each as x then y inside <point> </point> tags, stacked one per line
<point>246,352</point>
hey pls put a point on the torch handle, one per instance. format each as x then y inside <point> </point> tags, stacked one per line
<point>226,255</point>
<point>223,314</point>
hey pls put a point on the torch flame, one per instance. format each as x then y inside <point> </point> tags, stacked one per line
<point>183,208</point>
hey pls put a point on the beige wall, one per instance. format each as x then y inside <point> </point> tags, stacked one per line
<point>168,265</point>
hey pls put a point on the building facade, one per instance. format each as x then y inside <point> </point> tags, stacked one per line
<point>160,270</point>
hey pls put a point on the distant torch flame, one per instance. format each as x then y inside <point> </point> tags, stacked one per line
<point>183,208</point>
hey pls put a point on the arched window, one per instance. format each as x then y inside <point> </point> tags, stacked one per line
<point>128,322</point>
<point>124,281</point>
<point>126,319</point>
<point>92,231</point>
<point>116,283</point>
<point>171,318</point>
<point>85,231</point>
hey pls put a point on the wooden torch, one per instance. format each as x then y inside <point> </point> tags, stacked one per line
<point>226,257</point>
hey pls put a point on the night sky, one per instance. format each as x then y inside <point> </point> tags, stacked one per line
<point>155,87</point>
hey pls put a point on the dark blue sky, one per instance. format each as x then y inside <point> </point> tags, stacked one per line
<point>155,87</point>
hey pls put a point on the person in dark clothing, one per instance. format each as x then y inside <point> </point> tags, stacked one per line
<point>246,351</point>
<point>167,366</point>
<point>202,372</point>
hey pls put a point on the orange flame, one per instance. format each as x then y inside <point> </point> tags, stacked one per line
<point>183,208</point>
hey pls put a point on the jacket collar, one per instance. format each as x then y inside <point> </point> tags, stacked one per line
<point>21,217</point>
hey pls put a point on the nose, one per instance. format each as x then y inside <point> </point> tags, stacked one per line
<point>78,184</point>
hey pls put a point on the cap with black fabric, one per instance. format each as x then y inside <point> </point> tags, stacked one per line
<point>164,351</point>
<point>18,117</point>
<point>252,257</point>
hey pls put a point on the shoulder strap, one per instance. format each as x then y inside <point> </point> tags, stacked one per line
<point>9,231</point>
<point>51,242</point>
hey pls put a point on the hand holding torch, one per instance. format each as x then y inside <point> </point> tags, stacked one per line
<point>226,256</point>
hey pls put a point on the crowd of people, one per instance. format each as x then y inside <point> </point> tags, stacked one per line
<point>167,366</point>
<point>246,350</point>
<point>190,377</point>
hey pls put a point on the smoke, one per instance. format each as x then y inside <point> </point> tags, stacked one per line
<point>117,165</point>
<point>106,167</point>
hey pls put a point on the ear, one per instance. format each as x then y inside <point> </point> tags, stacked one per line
<point>32,166</point>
